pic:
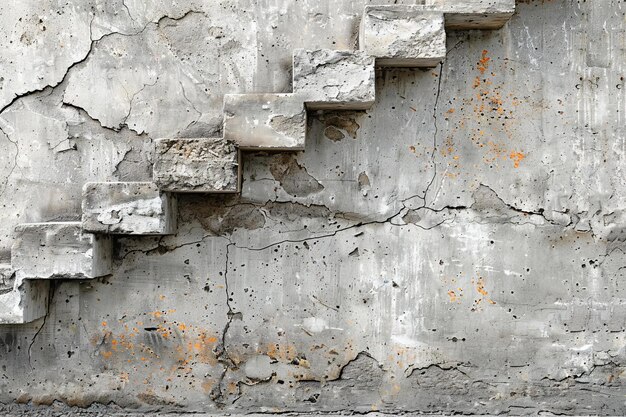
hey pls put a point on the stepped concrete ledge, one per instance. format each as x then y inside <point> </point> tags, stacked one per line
<point>403,36</point>
<point>21,301</point>
<point>332,79</point>
<point>473,14</point>
<point>265,121</point>
<point>128,208</point>
<point>197,165</point>
<point>59,251</point>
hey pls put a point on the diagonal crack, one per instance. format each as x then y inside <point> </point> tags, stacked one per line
<point>94,42</point>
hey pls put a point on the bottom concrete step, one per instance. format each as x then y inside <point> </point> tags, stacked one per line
<point>59,251</point>
<point>21,302</point>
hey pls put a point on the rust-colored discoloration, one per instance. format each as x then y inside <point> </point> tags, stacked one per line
<point>516,157</point>
<point>483,63</point>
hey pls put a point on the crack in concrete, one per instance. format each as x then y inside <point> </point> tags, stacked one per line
<point>94,42</point>
<point>432,155</point>
<point>67,71</point>
<point>220,350</point>
<point>17,154</point>
<point>51,290</point>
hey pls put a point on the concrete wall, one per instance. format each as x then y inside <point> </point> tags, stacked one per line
<point>458,248</point>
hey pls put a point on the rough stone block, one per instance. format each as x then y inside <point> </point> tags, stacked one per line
<point>59,251</point>
<point>334,79</point>
<point>403,36</point>
<point>265,121</point>
<point>21,301</point>
<point>197,165</point>
<point>474,14</point>
<point>128,208</point>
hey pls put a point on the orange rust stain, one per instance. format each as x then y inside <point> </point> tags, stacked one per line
<point>452,296</point>
<point>104,324</point>
<point>516,157</point>
<point>450,111</point>
<point>106,354</point>
<point>480,286</point>
<point>483,63</point>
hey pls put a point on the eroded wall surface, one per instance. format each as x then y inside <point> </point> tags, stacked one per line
<point>458,248</point>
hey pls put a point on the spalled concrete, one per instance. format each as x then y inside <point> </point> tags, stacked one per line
<point>131,208</point>
<point>196,165</point>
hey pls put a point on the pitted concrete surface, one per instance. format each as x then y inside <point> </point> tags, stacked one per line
<point>457,248</point>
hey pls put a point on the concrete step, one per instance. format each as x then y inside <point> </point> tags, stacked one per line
<point>403,36</point>
<point>128,208</point>
<point>334,80</point>
<point>197,165</point>
<point>59,251</point>
<point>265,121</point>
<point>21,302</point>
<point>473,14</point>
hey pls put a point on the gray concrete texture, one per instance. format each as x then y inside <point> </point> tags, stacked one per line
<point>459,247</point>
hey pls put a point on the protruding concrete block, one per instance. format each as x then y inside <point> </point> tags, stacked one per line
<point>21,301</point>
<point>334,79</point>
<point>265,121</point>
<point>474,14</point>
<point>59,251</point>
<point>198,165</point>
<point>403,36</point>
<point>128,208</point>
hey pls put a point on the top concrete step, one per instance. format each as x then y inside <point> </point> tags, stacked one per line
<point>473,14</point>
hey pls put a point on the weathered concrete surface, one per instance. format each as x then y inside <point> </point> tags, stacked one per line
<point>266,121</point>
<point>501,167</point>
<point>334,80</point>
<point>196,165</point>
<point>133,208</point>
<point>59,251</point>
<point>403,36</point>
